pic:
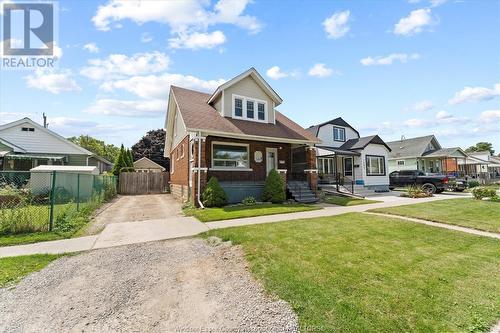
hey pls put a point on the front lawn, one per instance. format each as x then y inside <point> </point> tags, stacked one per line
<point>13,269</point>
<point>239,211</point>
<point>347,201</point>
<point>365,273</point>
<point>465,212</point>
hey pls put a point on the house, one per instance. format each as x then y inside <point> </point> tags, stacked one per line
<point>144,164</point>
<point>345,158</point>
<point>425,153</point>
<point>236,135</point>
<point>482,165</point>
<point>24,144</point>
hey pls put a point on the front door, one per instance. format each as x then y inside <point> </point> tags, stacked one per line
<point>271,159</point>
<point>348,166</point>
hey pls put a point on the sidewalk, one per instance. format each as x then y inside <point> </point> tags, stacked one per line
<point>124,233</point>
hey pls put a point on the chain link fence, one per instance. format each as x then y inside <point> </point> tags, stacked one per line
<point>50,201</point>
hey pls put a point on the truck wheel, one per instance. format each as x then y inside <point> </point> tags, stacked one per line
<point>429,188</point>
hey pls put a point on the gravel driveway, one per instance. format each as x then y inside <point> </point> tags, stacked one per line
<point>183,285</point>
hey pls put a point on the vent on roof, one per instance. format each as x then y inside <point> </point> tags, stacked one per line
<point>27,129</point>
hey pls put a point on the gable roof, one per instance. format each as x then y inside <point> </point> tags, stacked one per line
<point>361,143</point>
<point>258,79</point>
<point>43,129</point>
<point>445,152</point>
<point>146,163</point>
<point>337,121</point>
<point>15,148</point>
<point>198,115</point>
<point>413,147</point>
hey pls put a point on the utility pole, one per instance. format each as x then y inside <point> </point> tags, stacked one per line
<point>45,124</point>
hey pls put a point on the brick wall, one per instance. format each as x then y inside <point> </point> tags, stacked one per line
<point>179,165</point>
<point>259,172</point>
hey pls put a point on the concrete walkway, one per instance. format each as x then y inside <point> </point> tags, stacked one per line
<point>124,233</point>
<point>441,225</point>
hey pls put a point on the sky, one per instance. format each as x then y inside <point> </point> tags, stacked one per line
<point>394,68</point>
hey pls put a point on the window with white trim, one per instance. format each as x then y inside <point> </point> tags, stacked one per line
<point>401,162</point>
<point>246,108</point>
<point>338,134</point>
<point>375,165</point>
<point>230,156</point>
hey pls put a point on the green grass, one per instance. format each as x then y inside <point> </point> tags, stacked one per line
<point>13,269</point>
<point>346,201</point>
<point>466,212</point>
<point>364,273</point>
<point>234,212</point>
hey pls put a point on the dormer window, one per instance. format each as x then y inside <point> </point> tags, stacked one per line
<point>247,107</point>
<point>27,129</point>
<point>339,134</point>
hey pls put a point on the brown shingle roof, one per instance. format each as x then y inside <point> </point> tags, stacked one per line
<point>198,114</point>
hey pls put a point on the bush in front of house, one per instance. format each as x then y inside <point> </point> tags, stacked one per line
<point>274,190</point>
<point>483,192</point>
<point>214,195</point>
<point>249,201</point>
<point>472,183</point>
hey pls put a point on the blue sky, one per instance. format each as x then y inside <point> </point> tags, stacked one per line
<point>388,67</point>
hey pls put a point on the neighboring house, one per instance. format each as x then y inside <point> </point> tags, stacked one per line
<point>425,154</point>
<point>236,135</point>
<point>102,164</point>
<point>144,164</point>
<point>24,144</point>
<point>358,163</point>
<point>482,165</point>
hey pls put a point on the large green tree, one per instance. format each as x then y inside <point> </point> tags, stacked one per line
<point>98,147</point>
<point>481,146</point>
<point>151,146</point>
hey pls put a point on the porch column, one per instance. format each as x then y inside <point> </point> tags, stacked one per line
<point>202,169</point>
<point>311,168</point>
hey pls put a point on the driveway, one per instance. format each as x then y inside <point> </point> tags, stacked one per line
<point>184,285</point>
<point>134,208</point>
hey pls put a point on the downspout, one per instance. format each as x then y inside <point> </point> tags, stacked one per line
<point>199,171</point>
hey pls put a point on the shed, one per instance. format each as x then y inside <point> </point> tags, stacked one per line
<point>146,165</point>
<point>72,181</point>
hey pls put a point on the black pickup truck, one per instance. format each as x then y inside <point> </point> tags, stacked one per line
<point>431,184</point>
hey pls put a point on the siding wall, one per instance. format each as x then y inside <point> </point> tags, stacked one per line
<point>377,150</point>
<point>326,135</point>
<point>80,160</point>
<point>179,129</point>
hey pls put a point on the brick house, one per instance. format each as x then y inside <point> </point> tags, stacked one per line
<point>237,136</point>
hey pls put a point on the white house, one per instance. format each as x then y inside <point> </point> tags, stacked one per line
<point>359,163</point>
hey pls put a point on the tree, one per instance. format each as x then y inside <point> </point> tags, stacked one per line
<point>481,146</point>
<point>213,195</point>
<point>120,162</point>
<point>274,189</point>
<point>98,147</point>
<point>152,146</point>
<point>129,161</point>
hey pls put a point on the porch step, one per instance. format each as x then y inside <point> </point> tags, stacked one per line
<point>301,192</point>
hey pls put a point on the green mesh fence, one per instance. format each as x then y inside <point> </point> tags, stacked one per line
<point>49,201</point>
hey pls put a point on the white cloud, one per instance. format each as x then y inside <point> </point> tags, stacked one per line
<point>276,73</point>
<point>146,37</point>
<point>336,26</point>
<point>197,40</point>
<point>469,94</point>
<point>418,122</point>
<point>490,116</point>
<point>157,86</point>
<point>443,115</point>
<point>435,3</point>
<point>52,81</point>
<point>414,23</point>
<point>320,70</point>
<point>390,59</point>
<point>136,108</point>
<point>422,106</point>
<point>184,17</point>
<point>91,47</point>
<point>119,65</point>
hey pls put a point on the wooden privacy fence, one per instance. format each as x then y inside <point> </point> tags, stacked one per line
<point>143,182</point>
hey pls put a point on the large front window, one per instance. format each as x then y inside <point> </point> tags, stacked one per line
<point>375,165</point>
<point>230,156</point>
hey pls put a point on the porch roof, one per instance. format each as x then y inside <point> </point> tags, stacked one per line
<point>30,156</point>
<point>446,152</point>
<point>329,151</point>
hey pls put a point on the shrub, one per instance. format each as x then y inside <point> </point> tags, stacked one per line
<point>214,195</point>
<point>473,183</point>
<point>249,201</point>
<point>416,191</point>
<point>274,190</point>
<point>483,192</point>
